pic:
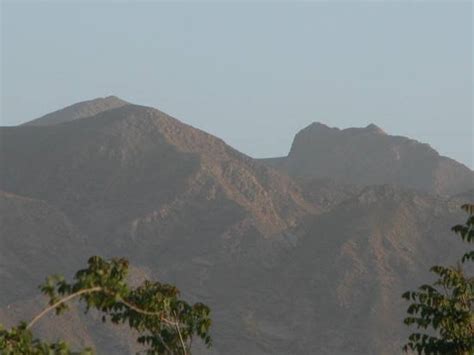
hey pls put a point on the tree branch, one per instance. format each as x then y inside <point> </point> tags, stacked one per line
<point>61,301</point>
<point>147,313</point>
<point>127,304</point>
<point>180,336</point>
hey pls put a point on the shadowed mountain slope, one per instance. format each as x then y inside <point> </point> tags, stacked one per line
<point>77,111</point>
<point>36,240</point>
<point>365,156</point>
<point>353,263</point>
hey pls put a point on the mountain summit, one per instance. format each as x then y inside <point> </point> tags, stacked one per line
<point>78,110</point>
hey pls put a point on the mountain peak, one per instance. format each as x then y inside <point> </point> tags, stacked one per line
<point>368,155</point>
<point>375,129</point>
<point>319,125</point>
<point>110,97</point>
<point>316,129</point>
<point>79,110</point>
<point>323,128</point>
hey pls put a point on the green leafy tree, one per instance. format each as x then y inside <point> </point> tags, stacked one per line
<point>165,323</point>
<point>444,311</point>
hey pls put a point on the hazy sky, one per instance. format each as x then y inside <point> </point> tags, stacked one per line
<point>250,73</point>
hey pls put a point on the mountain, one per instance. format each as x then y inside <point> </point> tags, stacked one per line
<point>79,110</point>
<point>133,163</point>
<point>341,285</point>
<point>287,264</point>
<point>173,199</point>
<point>367,156</point>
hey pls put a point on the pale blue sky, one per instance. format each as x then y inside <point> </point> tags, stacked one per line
<point>250,73</point>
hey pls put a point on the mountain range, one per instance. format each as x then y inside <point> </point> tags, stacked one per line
<point>304,254</point>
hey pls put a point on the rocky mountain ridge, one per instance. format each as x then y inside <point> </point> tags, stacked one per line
<point>287,263</point>
<point>367,156</point>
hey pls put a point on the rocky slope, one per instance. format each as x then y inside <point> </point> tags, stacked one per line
<point>346,274</point>
<point>304,265</point>
<point>36,240</point>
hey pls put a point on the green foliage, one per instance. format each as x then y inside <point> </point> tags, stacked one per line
<point>445,310</point>
<point>165,323</point>
<point>19,340</point>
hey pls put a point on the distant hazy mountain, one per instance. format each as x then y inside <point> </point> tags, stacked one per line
<point>366,156</point>
<point>302,265</point>
<point>79,110</point>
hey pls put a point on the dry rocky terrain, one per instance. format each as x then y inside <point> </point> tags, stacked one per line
<point>305,254</point>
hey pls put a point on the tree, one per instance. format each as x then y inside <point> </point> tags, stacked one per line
<point>165,323</point>
<point>445,309</point>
